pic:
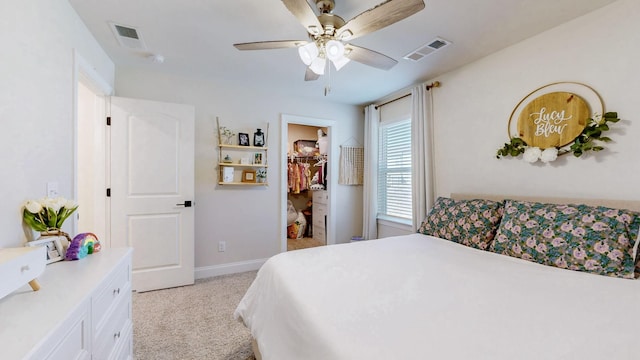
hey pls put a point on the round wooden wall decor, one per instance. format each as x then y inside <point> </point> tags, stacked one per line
<point>554,115</point>
<point>553,120</point>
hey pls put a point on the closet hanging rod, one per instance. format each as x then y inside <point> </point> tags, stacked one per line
<point>307,157</point>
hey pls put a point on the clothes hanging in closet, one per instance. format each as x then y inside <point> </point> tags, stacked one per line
<point>299,177</point>
<point>320,177</point>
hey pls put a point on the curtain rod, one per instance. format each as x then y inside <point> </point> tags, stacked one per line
<point>434,84</point>
<point>390,101</point>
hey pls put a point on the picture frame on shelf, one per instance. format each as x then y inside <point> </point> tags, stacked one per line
<point>257,158</point>
<point>249,176</point>
<point>227,174</point>
<point>258,138</point>
<point>54,250</point>
<point>243,139</point>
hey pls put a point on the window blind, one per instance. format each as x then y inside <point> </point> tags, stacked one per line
<point>394,169</point>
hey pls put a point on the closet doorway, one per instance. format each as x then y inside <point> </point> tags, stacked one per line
<point>90,150</point>
<point>307,183</point>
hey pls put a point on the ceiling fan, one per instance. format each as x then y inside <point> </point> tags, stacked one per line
<point>329,33</point>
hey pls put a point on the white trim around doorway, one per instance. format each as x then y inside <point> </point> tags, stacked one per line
<point>85,73</point>
<point>332,174</point>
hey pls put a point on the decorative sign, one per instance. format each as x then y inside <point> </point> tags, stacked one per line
<point>554,115</point>
<point>557,119</point>
<point>553,120</point>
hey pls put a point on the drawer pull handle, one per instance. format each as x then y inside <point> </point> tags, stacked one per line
<point>116,291</point>
<point>116,335</point>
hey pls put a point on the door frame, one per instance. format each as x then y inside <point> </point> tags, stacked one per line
<point>332,173</point>
<point>85,73</point>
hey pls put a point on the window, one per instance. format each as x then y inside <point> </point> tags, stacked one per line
<point>394,170</point>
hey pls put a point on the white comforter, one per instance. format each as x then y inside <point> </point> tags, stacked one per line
<point>420,297</point>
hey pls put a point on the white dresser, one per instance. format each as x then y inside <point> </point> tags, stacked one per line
<point>82,311</point>
<point>319,215</point>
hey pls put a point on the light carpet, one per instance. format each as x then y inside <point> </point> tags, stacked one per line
<point>192,322</point>
<point>303,243</point>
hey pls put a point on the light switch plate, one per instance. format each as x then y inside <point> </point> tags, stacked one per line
<point>52,189</point>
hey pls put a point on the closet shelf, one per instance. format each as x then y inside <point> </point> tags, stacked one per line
<point>244,165</point>
<point>238,147</point>
<point>243,183</point>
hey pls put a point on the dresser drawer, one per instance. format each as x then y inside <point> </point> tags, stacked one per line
<point>320,197</point>
<point>74,343</point>
<point>319,210</point>
<point>318,221</point>
<point>114,331</point>
<point>319,234</point>
<point>116,288</point>
<point>124,348</point>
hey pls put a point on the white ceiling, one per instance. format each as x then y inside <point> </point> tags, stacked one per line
<point>196,36</point>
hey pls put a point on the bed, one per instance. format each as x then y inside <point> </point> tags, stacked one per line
<point>425,297</point>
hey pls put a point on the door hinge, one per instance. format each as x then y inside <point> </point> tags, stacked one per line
<point>108,120</point>
<point>109,192</point>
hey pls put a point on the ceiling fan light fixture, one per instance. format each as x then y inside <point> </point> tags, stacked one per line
<point>313,30</point>
<point>317,66</point>
<point>345,35</point>
<point>340,62</point>
<point>308,53</point>
<point>334,50</point>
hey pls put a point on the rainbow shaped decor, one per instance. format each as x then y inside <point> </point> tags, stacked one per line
<point>82,245</point>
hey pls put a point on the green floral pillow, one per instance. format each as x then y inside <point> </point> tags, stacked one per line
<point>598,240</point>
<point>468,222</point>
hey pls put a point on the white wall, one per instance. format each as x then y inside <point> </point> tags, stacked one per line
<point>38,38</point>
<point>600,49</point>
<point>248,219</point>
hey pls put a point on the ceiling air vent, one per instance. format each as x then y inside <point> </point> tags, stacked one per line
<point>128,36</point>
<point>427,49</point>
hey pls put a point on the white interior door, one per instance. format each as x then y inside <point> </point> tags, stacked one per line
<point>152,189</point>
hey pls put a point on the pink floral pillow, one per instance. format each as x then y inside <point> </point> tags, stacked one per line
<point>598,240</point>
<point>468,222</point>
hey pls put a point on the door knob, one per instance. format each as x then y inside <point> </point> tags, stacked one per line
<point>187,203</point>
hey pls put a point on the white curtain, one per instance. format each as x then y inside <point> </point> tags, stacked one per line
<point>422,151</point>
<point>370,189</point>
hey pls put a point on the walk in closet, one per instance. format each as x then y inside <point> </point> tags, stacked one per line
<point>307,167</point>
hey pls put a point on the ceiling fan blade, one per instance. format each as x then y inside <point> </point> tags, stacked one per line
<point>305,14</point>
<point>385,14</point>
<point>309,75</point>
<point>265,45</point>
<point>369,57</point>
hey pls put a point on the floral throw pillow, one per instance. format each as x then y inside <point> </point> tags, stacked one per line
<point>598,240</point>
<point>468,222</point>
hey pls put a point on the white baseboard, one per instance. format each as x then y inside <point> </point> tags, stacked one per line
<point>231,268</point>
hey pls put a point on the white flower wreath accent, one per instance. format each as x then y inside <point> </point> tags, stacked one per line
<point>583,143</point>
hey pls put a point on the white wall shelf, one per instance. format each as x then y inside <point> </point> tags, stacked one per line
<point>238,170</point>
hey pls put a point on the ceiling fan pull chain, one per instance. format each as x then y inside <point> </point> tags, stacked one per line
<point>327,85</point>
